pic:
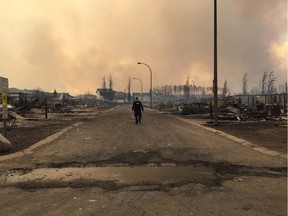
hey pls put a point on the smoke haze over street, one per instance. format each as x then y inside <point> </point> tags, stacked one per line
<point>71,45</point>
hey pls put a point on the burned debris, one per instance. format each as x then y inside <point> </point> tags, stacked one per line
<point>31,108</point>
<point>250,107</point>
<point>194,108</point>
<point>239,108</point>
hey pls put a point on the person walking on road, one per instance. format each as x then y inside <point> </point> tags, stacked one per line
<point>137,108</point>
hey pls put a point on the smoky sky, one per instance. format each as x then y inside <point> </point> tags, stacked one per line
<point>71,45</point>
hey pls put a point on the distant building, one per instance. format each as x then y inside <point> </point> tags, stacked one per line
<point>144,97</point>
<point>100,94</point>
<point>120,97</point>
<point>86,99</point>
<point>36,98</point>
<point>105,94</point>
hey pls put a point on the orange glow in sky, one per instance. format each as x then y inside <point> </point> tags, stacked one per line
<point>71,45</point>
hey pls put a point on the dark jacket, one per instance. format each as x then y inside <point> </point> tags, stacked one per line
<point>137,107</point>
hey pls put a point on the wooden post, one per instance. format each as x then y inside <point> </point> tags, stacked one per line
<point>5,128</point>
<point>46,109</point>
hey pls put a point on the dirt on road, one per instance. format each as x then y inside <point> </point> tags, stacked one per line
<point>28,131</point>
<point>155,177</point>
<point>269,134</point>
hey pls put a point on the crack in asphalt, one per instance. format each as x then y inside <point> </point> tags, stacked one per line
<point>220,172</point>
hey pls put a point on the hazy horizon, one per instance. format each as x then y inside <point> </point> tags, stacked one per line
<point>71,45</point>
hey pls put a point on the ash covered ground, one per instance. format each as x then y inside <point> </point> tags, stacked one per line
<point>32,127</point>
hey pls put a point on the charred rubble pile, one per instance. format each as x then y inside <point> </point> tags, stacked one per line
<point>234,109</point>
<point>229,109</point>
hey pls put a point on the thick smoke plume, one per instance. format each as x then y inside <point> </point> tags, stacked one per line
<point>71,45</point>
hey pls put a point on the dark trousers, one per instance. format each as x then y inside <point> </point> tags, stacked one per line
<point>138,116</point>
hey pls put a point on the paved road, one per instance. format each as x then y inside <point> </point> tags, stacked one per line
<point>111,166</point>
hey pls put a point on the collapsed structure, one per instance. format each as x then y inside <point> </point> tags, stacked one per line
<point>239,107</point>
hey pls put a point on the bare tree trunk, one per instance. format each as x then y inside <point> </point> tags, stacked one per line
<point>271,81</point>
<point>245,85</point>
<point>225,89</point>
<point>110,82</point>
<point>104,83</point>
<point>263,83</point>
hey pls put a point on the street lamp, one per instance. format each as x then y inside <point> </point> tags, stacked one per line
<point>150,82</point>
<point>141,87</point>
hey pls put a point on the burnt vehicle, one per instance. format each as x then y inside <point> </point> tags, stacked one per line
<point>194,108</point>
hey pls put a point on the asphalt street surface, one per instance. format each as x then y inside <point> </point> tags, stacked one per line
<point>108,165</point>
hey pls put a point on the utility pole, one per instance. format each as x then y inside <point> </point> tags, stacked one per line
<point>215,86</point>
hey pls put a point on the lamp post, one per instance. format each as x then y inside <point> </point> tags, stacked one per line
<point>150,82</point>
<point>141,87</point>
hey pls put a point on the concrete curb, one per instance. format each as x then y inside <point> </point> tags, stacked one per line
<point>236,139</point>
<point>45,141</point>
